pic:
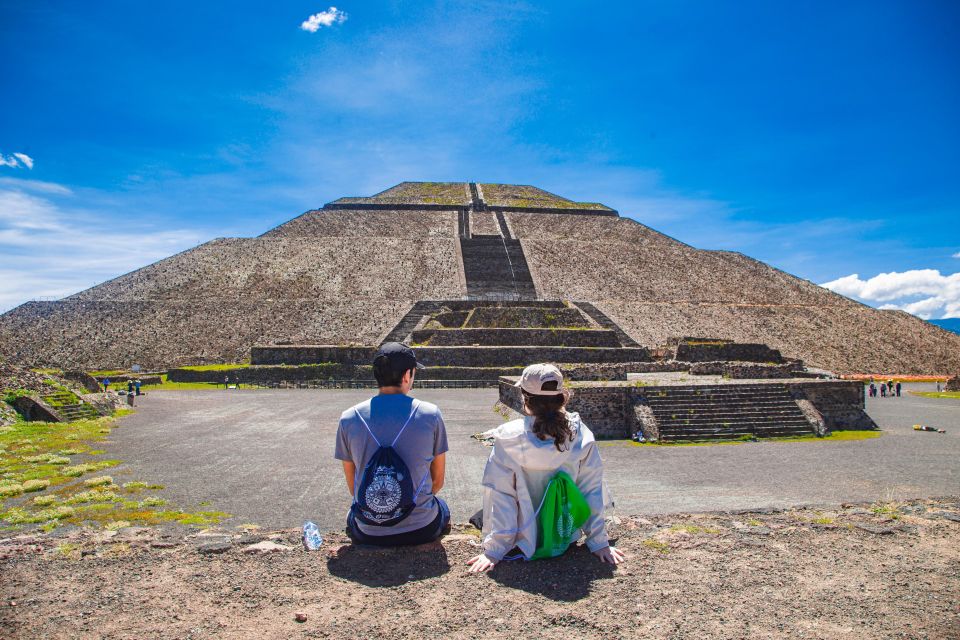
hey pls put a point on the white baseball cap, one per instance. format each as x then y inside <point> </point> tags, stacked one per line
<point>536,375</point>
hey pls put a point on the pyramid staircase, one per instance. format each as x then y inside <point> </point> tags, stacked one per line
<point>69,406</point>
<point>496,269</point>
<point>726,412</point>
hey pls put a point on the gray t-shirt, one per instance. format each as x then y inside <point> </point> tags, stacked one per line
<point>424,438</point>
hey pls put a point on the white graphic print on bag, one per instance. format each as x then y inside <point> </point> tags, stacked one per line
<point>564,529</point>
<point>383,494</point>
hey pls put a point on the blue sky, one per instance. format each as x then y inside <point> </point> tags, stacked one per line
<point>820,137</point>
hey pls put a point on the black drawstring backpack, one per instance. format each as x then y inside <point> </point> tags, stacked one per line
<point>385,495</point>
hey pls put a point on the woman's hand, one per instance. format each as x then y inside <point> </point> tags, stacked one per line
<point>480,563</point>
<point>610,555</point>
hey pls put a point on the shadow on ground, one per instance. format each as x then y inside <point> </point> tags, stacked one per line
<point>388,567</point>
<point>567,578</point>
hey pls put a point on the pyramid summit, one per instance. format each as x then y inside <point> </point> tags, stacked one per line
<point>354,272</point>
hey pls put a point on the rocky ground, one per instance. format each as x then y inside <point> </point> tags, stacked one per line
<point>863,571</point>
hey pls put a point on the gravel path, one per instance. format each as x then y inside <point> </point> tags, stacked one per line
<point>266,456</point>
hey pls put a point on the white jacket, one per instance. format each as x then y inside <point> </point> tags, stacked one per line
<point>516,477</point>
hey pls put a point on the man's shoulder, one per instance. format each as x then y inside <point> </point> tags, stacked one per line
<point>352,412</point>
<point>425,408</point>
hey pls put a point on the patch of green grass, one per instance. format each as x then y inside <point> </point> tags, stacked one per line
<point>217,367</point>
<point>934,394</point>
<point>888,510</point>
<point>836,436</point>
<point>31,459</point>
<point>657,545</point>
<point>823,520</point>
<point>694,529</point>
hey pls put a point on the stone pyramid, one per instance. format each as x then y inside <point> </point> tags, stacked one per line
<point>352,272</point>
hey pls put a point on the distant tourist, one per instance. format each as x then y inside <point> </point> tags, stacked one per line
<point>898,389</point>
<point>532,458</point>
<point>226,381</point>
<point>136,385</point>
<point>873,390</point>
<point>129,387</point>
<point>393,448</point>
<point>106,384</point>
<point>939,388</point>
<point>883,389</point>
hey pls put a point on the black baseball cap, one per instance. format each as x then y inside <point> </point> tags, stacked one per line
<point>399,355</point>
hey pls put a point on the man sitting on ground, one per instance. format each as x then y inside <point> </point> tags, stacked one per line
<point>393,452</point>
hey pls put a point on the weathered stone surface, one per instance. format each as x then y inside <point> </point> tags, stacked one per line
<point>214,547</point>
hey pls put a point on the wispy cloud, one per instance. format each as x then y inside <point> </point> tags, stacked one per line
<point>956,255</point>
<point>51,247</point>
<point>16,160</point>
<point>26,160</point>
<point>326,18</point>
<point>939,295</point>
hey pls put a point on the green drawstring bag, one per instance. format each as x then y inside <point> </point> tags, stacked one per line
<point>562,512</point>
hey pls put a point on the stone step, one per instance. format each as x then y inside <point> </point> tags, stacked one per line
<point>730,419</point>
<point>729,436</point>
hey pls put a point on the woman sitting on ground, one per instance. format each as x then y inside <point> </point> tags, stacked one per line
<point>527,454</point>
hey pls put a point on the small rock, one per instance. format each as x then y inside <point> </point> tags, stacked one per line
<point>869,528</point>
<point>300,616</point>
<point>859,512</point>
<point>163,544</point>
<point>214,547</point>
<point>267,546</point>
<point>760,531</point>
<point>946,515</point>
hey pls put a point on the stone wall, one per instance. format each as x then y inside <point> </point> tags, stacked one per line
<point>725,351</point>
<point>526,317</point>
<point>953,384</point>
<point>508,337</point>
<point>330,371</point>
<point>840,402</point>
<point>447,356</point>
<point>740,371</point>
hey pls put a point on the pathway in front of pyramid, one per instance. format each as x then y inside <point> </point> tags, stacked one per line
<point>266,456</point>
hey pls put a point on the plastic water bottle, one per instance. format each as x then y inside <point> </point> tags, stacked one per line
<point>311,536</point>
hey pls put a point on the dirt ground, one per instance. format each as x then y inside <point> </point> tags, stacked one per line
<point>852,571</point>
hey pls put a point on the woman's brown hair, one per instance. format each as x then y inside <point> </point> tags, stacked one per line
<point>549,418</point>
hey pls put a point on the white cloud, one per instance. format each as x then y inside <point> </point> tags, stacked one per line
<point>16,161</point>
<point>25,159</point>
<point>326,18</point>
<point>49,249</point>
<point>956,255</point>
<point>939,295</point>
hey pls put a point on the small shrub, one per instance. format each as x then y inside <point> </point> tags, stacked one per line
<point>116,525</point>
<point>152,501</point>
<point>35,485</point>
<point>9,490</point>
<point>135,485</point>
<point>99,481</point>
<point>44,501</point>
